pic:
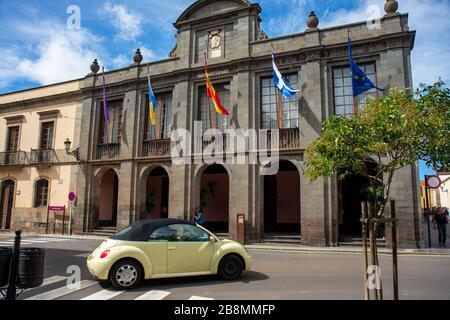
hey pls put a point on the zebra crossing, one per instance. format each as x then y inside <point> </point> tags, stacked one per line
<point>93,292</point>
<point>31,241</point>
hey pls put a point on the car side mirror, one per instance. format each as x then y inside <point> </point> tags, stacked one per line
<point>212,239</point>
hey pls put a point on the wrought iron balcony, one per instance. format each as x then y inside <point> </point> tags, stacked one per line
<point>43,156</point>
<point>156,148</point>
<point>289,139</point>
<point>108,151</point>
<point>16,158</point>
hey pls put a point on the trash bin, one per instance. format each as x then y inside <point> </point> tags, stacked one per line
<point>5,265</point>
<point>31,268</point>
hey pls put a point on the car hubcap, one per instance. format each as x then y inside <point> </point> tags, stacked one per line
<point>230,268</point>
<point>126,275</point>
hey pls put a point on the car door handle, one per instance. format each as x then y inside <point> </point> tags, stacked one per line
<point>172,248</point>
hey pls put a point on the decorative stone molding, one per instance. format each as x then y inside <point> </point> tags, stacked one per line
<point>312,21</point>
<point>391,7</point>
<point>49,115</point>
<point>14,120</point>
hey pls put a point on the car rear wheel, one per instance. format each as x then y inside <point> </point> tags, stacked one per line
<point>230,267</point>
<point>125,275</point>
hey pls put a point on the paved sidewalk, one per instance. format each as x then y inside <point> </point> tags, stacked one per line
<point>345,249</point>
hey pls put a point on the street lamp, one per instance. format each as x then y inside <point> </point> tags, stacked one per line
<point>75,152</point>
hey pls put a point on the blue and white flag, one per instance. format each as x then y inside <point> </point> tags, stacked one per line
<point>280,83</point>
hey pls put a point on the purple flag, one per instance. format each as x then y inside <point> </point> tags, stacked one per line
<point>105,101</point>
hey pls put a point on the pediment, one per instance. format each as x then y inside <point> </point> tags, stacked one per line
<point>203,8</point>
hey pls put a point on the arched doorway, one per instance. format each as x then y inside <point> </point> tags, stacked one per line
<point>282,200</point>
<point>6,203</point>
<point>156,201</point>
<point>214,198</point>
<point>108,196</point>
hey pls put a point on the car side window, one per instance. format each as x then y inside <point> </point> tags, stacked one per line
<point>187,233</point>
<point>161,234</point>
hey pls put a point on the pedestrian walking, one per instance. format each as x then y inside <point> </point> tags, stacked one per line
<point>200,218</point>
<point>440,221</point>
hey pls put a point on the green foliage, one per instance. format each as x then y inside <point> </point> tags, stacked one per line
<point>391,132</point>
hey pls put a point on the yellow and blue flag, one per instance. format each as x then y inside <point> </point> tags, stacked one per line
<point>153,105</point>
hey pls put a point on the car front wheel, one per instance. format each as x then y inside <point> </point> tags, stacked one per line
<point>125,275</point>
<point>230,267</point>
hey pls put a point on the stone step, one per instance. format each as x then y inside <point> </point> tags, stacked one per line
<point>291,237</point>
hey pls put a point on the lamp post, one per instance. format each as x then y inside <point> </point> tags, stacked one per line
<point>74,152</point>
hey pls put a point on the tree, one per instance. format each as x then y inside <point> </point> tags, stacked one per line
<point>391,132</point>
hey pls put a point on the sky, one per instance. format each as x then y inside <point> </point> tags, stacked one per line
<point>43,42</point>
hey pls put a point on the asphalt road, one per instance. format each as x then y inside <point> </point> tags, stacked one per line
<point>275,275</point>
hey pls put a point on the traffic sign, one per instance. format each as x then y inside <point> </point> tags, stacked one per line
<point>433,182</point>
<point>72,196</point>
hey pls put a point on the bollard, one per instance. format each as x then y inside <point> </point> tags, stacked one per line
<point>240,229</point>
<point>11,292</point>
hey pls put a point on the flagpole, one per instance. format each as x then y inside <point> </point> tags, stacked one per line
<point>279,102</point>
<point>355,99</point>
<point>207,98</point>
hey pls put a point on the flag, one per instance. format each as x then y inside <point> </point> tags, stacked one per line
<point>105,100</point>
<point>280,83</point>
<point>153,105</point>
<point>360,82</point>
<point>214,95</point>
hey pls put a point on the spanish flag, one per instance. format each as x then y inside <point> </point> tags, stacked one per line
<point>153,105</point>
<point>213,95</point>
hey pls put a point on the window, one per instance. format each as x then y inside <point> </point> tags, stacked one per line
<point>12,144</point>
<point>41,198</point>
<point>47,129</point>
<point>180,233</point>
<point>343,92</point>
<point>208,112</point>
<point>161,234</point>
<point>163,127</point>
<point>269,101</point>
<point>114,133</point>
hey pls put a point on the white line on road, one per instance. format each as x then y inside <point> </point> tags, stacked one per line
<point>53,279</point>
<point>199,298</point>
<point>104,294</point>
<point>153,295</point>
<point>53,294</point>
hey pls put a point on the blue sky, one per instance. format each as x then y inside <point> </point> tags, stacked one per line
<point>37,47</point>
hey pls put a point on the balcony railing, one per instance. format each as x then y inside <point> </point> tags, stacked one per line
<point>108,151</point>
<point>16,158</point>
<point>156,148</point>
<point>43,156</point>
<point>289,139</point>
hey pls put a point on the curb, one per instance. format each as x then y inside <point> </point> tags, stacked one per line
<point>353,250</point>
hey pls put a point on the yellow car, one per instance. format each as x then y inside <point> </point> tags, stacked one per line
<point>165,248</point>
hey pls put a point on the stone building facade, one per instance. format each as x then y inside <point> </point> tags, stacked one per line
<point>126,171</point>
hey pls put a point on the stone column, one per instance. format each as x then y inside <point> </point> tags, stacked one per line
<point>393,72</point>
<point>313,195</point>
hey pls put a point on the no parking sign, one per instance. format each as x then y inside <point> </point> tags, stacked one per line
<point>72,196</point>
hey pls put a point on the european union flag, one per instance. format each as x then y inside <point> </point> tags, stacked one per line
<point>360,82</point>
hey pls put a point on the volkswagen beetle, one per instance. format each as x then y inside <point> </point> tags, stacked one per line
<point>165,248</point>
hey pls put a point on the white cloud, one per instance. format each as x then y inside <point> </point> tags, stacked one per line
<point>127,23</point>
<point>52,54</point>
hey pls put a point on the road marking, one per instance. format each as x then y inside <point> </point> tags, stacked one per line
<point>53,279</point>
<point>104,294</point>
<point>53,294</point>
<point>82,255</point>
<point>200,298</point>
<point>153,295</point>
